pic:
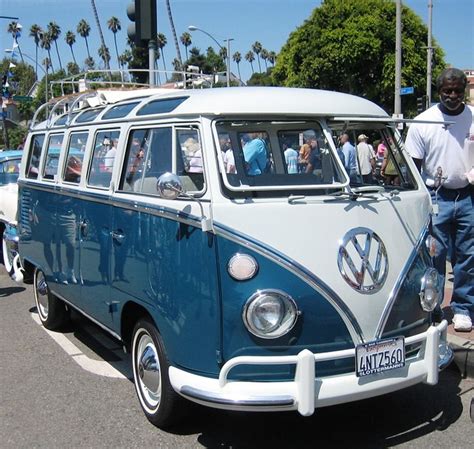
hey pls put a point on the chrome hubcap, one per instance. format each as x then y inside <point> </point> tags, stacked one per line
<point>148,370</point>
<point>42,294</point>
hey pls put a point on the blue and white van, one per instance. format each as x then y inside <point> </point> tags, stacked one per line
<point>219,236</point>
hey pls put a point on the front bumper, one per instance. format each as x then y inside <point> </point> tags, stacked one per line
<point>307,391</point>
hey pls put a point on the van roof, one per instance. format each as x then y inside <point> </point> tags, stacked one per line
<point>258,101</point>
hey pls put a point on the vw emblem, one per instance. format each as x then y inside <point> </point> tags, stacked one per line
<point>362,260</point>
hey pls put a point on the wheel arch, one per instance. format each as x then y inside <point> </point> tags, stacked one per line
<point>131,313</point>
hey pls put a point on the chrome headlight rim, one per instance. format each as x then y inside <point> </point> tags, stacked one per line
<point>284,326</point>
<point>427,283</point>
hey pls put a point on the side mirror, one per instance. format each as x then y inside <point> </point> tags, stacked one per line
<point>169,186</point>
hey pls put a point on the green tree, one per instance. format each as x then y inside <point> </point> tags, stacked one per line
<point>54,31</point>
<point>84,29</point>
<point>15,30</point>
<point>35,33</point>
<point>250,57</point>
<point>237,57</point>
<point>70,39</point>
<point>272,57</point>
<point>261,79</point>
<point>257,49</point>
<point>104,54</point>
<point>186,41</point>
<point>264,55</point>
<point>350,47</point>
<point>46,44</point>
<point>72,68</point>
<point>114,25</point>
<point>161,42</point>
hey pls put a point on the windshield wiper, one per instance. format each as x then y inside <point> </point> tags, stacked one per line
<point>360,192</point>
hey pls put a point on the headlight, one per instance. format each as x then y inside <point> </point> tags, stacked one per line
<point>270,314</point>
<point>430,290</point>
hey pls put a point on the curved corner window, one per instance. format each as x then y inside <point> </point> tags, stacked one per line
<point>32,166</point>
<point>161,106</point>
<point>88,116</point>
<point>119,111</point>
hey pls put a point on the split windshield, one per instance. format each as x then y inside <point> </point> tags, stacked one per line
<point>301,157</point>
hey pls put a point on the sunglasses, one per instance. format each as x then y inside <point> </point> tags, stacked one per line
<point>448,91</point>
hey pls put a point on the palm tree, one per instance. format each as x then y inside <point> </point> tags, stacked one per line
<point>89,62</point>
<point>35,33</point>
<point>257,48</point>
<point>83,28</point>
<point>14,28</point>
<point>114,25</point>
<point>237,57</point>
<point>186,41</point>
<point>71,40</point>
<point>177,65</point>
<point>46,44</point>
<point>102,40</point>
<point>272,57</point>
<point>72,68</point>
<point>104,54</point>
<point>54,30</point>
<point>161,42</point>
<point>264,56</point>
<point>249,56</point>
<point>173,30</point>
<point>47,64</point>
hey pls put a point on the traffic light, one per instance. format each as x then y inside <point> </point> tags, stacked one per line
<point>420,104</point>
<point>143,15</point>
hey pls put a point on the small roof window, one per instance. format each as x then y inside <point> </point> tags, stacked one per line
<point>62,120</point>
<point>161,106</point>
<point>88,116</point>
<point>119,111</point>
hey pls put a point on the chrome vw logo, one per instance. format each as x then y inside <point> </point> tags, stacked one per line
<point>362,260</point>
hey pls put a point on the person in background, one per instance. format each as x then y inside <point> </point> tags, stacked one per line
<point>291,159</point>
<point>303,158</point>
<point>349,151</point>
<point>255,154</point>
<point>441,152</point>
<point>365,153</point>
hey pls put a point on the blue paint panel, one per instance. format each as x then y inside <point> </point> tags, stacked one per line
<point>170,268</point>
<point>319,328</point>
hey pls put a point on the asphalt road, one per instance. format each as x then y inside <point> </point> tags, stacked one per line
<point>72,390</point>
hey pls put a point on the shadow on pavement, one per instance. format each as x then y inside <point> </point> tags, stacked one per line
<point>385,421</point>
<point>8,291</point>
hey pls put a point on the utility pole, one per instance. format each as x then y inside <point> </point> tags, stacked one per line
<point>398,59</point>
<point>429,56</point>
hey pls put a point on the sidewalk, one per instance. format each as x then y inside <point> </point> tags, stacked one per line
<point>461,342</point>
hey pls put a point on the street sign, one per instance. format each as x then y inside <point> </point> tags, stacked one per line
<point>22,98</point>
<point>407,90</point>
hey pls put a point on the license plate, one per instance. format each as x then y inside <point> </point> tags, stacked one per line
<point>378,356</point>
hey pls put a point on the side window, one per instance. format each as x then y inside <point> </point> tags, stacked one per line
<point>189,160</point>
<point>257,155</point>
<point>150,154</point>
<point>75,156</point>
<point>103,157</point>
<point>148,157</point>
<point>32,166</point>
<point>50,168</point>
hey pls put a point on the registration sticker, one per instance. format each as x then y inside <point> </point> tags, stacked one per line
<point>381,355</point>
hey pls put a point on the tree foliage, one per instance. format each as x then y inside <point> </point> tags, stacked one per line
<point>350,47</point>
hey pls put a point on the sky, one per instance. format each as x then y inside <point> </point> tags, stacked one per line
<point>245,21</point>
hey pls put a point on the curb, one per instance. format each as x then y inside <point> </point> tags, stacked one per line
<point>463,354</point>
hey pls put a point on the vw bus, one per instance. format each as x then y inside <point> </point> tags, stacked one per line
<point>237,274</point>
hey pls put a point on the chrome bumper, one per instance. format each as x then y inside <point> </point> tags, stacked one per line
<point>307,391</point>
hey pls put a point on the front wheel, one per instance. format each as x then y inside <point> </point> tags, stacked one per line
<point>51,310</point>
<point>161,404</point>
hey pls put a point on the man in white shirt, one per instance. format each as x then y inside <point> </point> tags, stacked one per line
<point>366,155</point>
<point>444,153</point>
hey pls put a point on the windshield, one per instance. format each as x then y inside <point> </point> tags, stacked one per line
<point>300,157</point>
<point>276,155</point>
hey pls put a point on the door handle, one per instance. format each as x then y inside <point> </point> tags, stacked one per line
<point>84,226</point>
<point>118,236</point>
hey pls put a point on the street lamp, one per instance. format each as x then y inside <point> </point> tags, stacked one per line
<point>194,28</point>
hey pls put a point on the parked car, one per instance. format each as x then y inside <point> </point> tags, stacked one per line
<point>9,170</point>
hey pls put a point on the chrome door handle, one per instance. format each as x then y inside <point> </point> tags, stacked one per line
<point>118,236</point>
